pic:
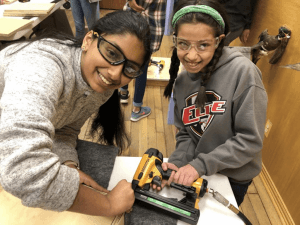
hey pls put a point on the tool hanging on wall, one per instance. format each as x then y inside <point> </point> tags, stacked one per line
<point>150,171</point>
<point>268,43</point>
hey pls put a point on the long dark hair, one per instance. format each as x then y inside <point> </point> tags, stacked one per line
<point>208,20</point>
<point>112,131</point>
<point>108,125</point>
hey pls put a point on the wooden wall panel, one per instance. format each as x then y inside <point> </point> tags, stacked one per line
<point>281,151</point>
<point>115,4</point>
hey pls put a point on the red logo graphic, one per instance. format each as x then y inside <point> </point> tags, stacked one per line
<point>198,120</point>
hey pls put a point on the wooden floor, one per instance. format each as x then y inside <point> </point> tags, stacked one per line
<point>154,131</point>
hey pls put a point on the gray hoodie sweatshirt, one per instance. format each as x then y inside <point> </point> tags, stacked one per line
<point>227,137</point>
<point>44,103</point>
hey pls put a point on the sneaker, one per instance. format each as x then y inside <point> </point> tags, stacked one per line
<point>145,111</point>
<point>124,98</point>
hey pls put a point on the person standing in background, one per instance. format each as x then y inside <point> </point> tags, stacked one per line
<point>154,11</point>
<point>88,9</point>
<point>240,17</point>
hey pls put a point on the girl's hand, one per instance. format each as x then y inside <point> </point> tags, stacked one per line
<point>245,35</point>
<point>121,197</point>
<point>135,6</point>
<point>165,167</point>
<point>186,175</point>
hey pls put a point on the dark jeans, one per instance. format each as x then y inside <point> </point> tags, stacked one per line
<point>139,87</point>
<point>239,190</point>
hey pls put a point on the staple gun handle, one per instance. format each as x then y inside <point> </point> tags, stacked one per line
<point>165,175</point>
<point>157,181</point>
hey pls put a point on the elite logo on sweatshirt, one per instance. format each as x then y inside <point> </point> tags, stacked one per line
<point>198,120</point>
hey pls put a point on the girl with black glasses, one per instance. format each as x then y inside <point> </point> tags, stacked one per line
<point>49,87</point>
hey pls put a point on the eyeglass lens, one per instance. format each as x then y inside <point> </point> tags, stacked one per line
<point>116,57</point>
<point>200,46</point>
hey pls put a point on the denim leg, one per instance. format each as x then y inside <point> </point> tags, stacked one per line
<point>239,191</point>
<point>140,86</point>
<point>91,12</point>
<point>78,17</point>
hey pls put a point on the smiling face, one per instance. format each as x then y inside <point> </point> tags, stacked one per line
<point>99,74</point>
<point>198,34</point>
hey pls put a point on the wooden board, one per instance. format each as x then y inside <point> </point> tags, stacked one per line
<point>9,26</point>
<point>7,2</point>
<point>14,213</point>
<point>29,9</point>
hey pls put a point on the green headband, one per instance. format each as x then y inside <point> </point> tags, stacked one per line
<point>199,8</point>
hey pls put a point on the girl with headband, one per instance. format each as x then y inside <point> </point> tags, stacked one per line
<point>220,101</point>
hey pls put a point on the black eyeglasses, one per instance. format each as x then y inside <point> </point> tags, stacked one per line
<point>113,55</point>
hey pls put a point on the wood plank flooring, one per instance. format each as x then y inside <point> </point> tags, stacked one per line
<point>154,131</point>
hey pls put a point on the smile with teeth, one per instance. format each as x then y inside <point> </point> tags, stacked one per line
<point>104,79</point>
<point>192,64</point>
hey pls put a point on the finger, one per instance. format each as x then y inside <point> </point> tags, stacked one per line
<point>171,179</point>
<point>172,167</point>
<point>181,179</point>
<point>164,166</point>
<point>154,186</point>
<point>163,183</point>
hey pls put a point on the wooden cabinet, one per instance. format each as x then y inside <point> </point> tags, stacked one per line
<point>114,4</point>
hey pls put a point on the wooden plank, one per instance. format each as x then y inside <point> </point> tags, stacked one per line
<point>166,47</point>
<point>276,198</point>
<point>252,189</point>
<point>9,26</point>
<point>8,2</point>
<point>157,97</point>
<point>248,210</point>
<point>161,143</point>
<point>161,83</point>
<point>29,9</point>
<point>267,202</point>
<point>259,209</point>
<point>128,128</point>
<point>150,101</point>
<point>159,120</point>
<point>134,147</point>
<point>143,135</point>
<point>116,4</point>
<point>14,213</point>
<point>152,134</point>
<point>158,110</point>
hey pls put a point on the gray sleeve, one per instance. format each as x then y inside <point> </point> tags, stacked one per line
<point>249,114</point>
<point>184,142</point>
<point>29,168</point>
<point>65,142</point>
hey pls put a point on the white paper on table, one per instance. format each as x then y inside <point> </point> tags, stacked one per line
<point>211,211</point>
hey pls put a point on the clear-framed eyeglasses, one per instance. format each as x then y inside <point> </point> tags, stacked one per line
<point>200,46</point>
<point>114,55</point>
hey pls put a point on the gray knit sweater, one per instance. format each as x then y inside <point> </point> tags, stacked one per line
<point>44,103</point>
